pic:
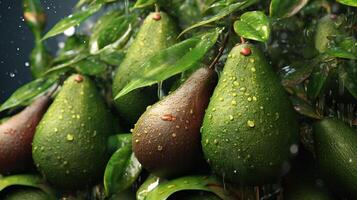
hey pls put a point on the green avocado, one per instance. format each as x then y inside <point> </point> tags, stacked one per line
<point>326,27</point>
<point>336,151</point>
<point>249,126</point>
<point>25,194</point>
<point>156,33</point>
<point>69,146</point>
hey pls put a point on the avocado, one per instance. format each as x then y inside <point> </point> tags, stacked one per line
<point>156,33</point>
<point>326,27</point>
<point>336,147</point>
<point>69,146</point>
<point>16,135</point>
<point>166,138</point>
<point>25,194</point>
<point>249,125</point>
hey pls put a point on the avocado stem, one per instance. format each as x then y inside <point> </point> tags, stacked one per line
<point>220,52</point>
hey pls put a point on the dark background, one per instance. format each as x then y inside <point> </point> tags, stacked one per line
<point>16,41</point>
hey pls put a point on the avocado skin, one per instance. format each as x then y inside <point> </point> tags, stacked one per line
<point>326,27</point>
<point>25,194</point>
<point>69,146</point>
<point>306,192</point>
<point>336,147</point>
<point>153,36</point>
<point>249,124</point>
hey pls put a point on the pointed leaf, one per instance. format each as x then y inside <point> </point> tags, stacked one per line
<point>222,13</point>
<point>144,3</point>
<point>253,25</point>
<point>304,108</point>
<point>286,8</point>
<point>25,94</point>
<point>348,74</point>
<point>90,66</point>
<point>344,47</point>
<point>118,141</point>
<point>171,61</point>
<point>204,183</point>
<point>121,171</point>
<point>348,2</point>
<point>150,183</point>
<point>72,20</point>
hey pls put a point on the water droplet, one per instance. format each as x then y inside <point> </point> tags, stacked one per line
<point>249,99</point>
<point>137,141</point>
<point>70,137</point>
<point>215,141</point>
<point>231,117</point>
<point>174,135</point>
<point>159,148</point>
<point>253,69</point>
<point>251,123</point>
<point>294,149</point>
<point>168,117</point>
<point>234,103</point>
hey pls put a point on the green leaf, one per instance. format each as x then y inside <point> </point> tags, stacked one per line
<point>296,73</point>
<point>317,80</point>
<point>253,25</point>
<point>286,8</point>
<point>204,183</point>
<point>348,75</point>
<point>26,180</point>
<point>114,58</point>
<point>24,95</point>
<point>34,16</point>
<point>348,2</point>
<point>304,108</point>
<point>72,20</point>
<point>67,65</point>
<point>222,13</point>
<point>90,66</point>
<point>171,61</point>
<point>121,171</point>
<point>344,47</point>
<point>110,28</point>
<point>150,183</point>
<point>118,141</point>
<point>144,3</point>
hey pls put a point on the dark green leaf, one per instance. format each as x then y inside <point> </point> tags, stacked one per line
<point>121,171</point>
<point>90,66</point>
<point>296,73</point>
<point>111,28</point>
<point>73,20</point>
<point>25,94</point>
<point>344,47</point>
<point>150,183</point>
<point>348,2</point>
<point>26,180</point>
<point>114,58</point>
<point>172,61</point>
<point>204,183</point>
<point>304,108</point>
<point>348,75</point>
<point>223,13</point>
<point>67,65</point>
<point>317,81</point>
<point>144,3</point>
<point>118,141</point>
<point>253,25</point>
<point>286,8</point>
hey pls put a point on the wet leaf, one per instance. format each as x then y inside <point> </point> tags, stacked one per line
<point>26,180</point>
<point>344,47</point>
<point>296,73</point>
<point>348,2</point>
<point>114,58</point>
<point>109,29</point>
<point>286,8</point>
<point>171,61</point>
<point>222,13</point>
<point>24,95</point>
<point>118,141</point>
<point>348,74</point>
<point>304,108</point>
<point>67,65</point>
<point>90,66</point>
<point>73,20</point>
<point>144,3</point>
<point>253,25</point>
<point>121,171</point>
<point>317,81</point>
<point>150,183</point>
<point>204,183</point>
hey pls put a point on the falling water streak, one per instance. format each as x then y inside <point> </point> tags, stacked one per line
<point>126,5</point>
<point>160,91</point>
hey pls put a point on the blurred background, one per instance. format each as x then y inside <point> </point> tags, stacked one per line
<point>16,41</point>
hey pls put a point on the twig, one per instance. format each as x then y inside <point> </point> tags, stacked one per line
<point>220,51</point>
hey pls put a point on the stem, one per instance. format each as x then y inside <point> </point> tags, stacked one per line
<point>220,51</point>
<point>157,8</point>
<point>242,40</point>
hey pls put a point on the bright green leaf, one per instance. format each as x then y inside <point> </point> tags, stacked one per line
<point>144,3</point>
<point>72,20</point>
<point>26,180</point>
<point>204,183</point>
<point>344,47</point>
<point>24,95</point>
<point>171,61</point>
<point>348,2</point>
<point>223,13</point>
<point>150,183</point>
<point>253,25</point>
<point>286,8</point>
<point>118,141</point>
<point>90,66</point>
<point>121,171</point>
